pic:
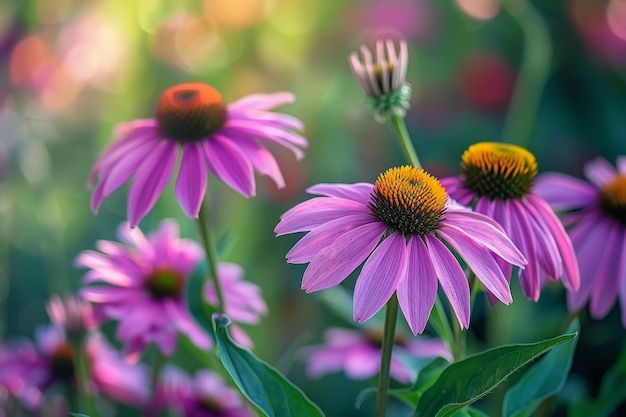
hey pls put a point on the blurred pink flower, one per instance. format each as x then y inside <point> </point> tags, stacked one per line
<point>191,118</point>
<point>596,217</point>
<point>71,313</point>
<point>357,353</point>
<point>497,180</point>
<point>145,276</point>
<point>205,395</point>
<point>400,227</point>
<point>486,81</point>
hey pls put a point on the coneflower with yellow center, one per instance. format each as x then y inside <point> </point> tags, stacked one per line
<point>595,214</point>
<point>407,232</point>
<point>497,180</point>
<point>191,119</point>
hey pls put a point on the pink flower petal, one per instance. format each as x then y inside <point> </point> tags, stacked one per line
<point>362,362</point>
<point>261,158</point>
<point>522,234</point>
<point>452,279</point>
<point>360,192</point>
<point>261,101</point>
<point>418,290</point>
<point>599,171</point>
<point>151,179</point>
<point>563,192</point>
<point>480,262</point>
<point>547,251</point>
<point>621,277</point>
<point>336,261</point>
<point>605,281</point>
<point>320,237</point>
<point>380,276</point>
<point>317,211</point>
<point>228,163</point>
<point>192,179</point>
<point>571,279</point>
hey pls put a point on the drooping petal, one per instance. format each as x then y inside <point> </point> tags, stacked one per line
<point>228,163</point>
<point>192,179</point>
<point>563,192</point>
<point>599,171</point>
<point>522,235</point>
<point>151,179</point>
<point>363,362</point>
<point>590,237</point>
<point>360,192</point>
<point>480,262</point>
<point>621,277</point>
<point>261,159</point>
<point>258,130</point>
<point>261,101</point>
<point>418,290</point>
<point>135,237</point>
<point>547,251</point>
<point>571,278</point>
<point>380,276</point>
<point>452,279</point>
<point>336,261</point>
<point>605,284</point>
<point>314,212</point>
<point>322,236</point>
<point>487,235</point>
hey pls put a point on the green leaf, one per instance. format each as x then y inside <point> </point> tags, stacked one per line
<point>612,393</point>
<point>78,415</point>
<point>194,290</point>
<point>260,383</point>
<point>544,379</point>
<point>470,412</point>
<point>468,380</point>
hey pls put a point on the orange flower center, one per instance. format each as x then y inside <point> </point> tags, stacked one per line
<point>498,170</point>
<point>613,199</point>
<point>190,112</point>
<point>164,283</point>
<point>409,199</point>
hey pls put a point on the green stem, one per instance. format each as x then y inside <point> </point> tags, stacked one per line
<point>389,334</point>
<point>441,324</point>
<point>533,72</point>
<point>84,378</point>
<point>211,255</point>
<point>399,128</point>
<point>459,344</point>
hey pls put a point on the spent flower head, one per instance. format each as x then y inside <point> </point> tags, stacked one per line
<point>191,119</point>
<point>383,77</point>
<point>497,180</point>
<point>407,231</point>
<point>595,214</point>
<point>72,313</point>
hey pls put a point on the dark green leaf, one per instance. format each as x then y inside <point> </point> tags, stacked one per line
<point>78,415</point>
<point>544,379</point>
<point>466,381</point>
<point>612,393</point>
<point>260,383</point>
<point>470,412</point>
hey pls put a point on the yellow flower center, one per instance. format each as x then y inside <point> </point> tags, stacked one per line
<point>163,283</point>
<point>190,112</point>
<point>409,199</point>
<point>613,199</point>
<point>498,170</point>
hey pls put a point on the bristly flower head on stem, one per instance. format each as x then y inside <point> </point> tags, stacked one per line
<point>384,79</point>
<point>497,180</point>
<point>227,140</point>
<point>405,229</point>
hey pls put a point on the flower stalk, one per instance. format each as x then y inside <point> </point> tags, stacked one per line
<point>84,378</point>
<point>211,255</point>
<point>399,129</point>
<point>391,315</point>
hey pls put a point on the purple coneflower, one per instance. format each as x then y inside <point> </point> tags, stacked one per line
<point>203,396</point>
<point>71,313</point>
<point>497,180</point>
<point>595,215</point>
<point>384,79</point>
<point>145,276</point>
<point>401,227</point>
<point>110,374</point>
<point>192,118</point>
<point>358,354</point>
